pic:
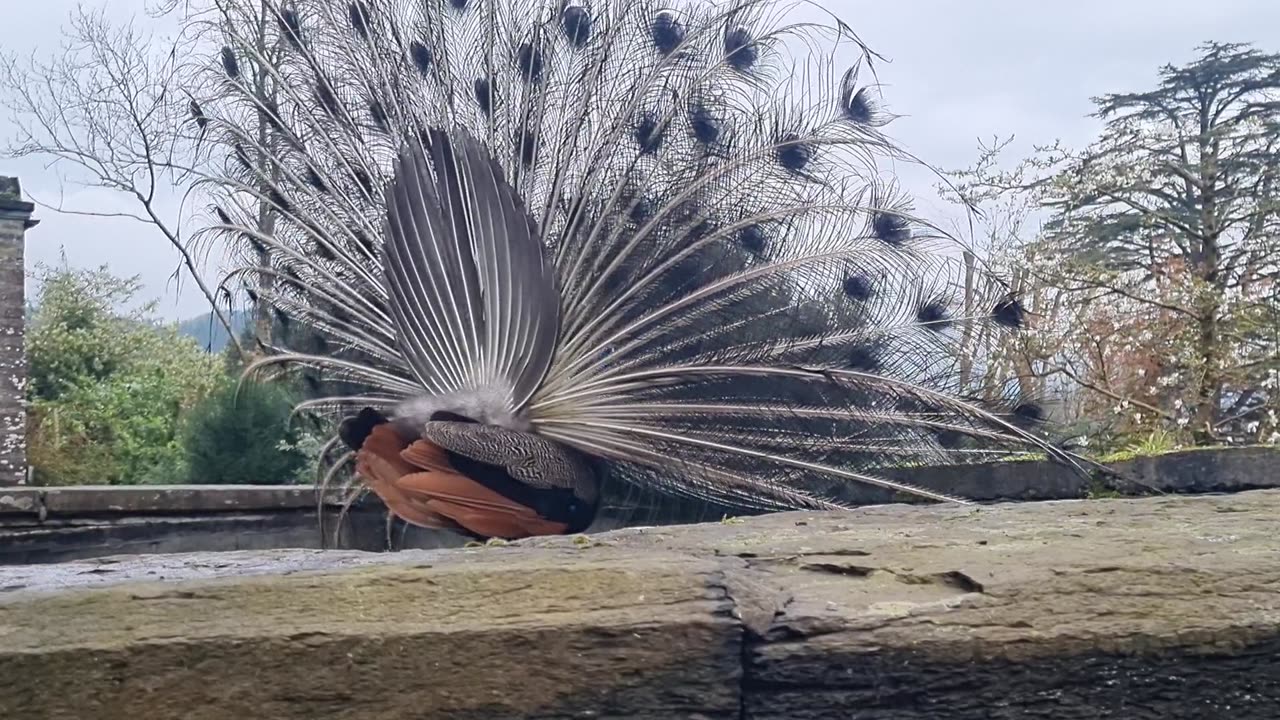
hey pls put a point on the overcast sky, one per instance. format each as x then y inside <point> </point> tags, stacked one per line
<point>959,71</point>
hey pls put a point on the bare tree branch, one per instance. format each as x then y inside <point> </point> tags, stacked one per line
<point>110,111</point>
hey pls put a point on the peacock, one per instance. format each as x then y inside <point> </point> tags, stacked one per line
<point>536,252</point>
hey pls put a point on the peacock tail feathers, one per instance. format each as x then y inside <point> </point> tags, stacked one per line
<point>662,235</point>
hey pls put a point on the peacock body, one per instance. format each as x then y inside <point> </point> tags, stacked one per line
<point>541,246</point>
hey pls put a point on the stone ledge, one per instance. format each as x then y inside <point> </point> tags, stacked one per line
<point>24,502</point>
<point>70,523</point>
<point>163,499</point>
<point>1196,471</point>
<point>88,500</point>
<point>1152,608</point>
<point>12,206</point>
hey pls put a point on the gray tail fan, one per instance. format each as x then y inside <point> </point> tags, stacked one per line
<point>663,236</point>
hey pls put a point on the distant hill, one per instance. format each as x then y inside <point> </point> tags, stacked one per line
<point>209,333</point>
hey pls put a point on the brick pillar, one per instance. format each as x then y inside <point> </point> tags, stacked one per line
<point>15,220</point>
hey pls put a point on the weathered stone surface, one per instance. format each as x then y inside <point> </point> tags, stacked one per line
<point>57,541</point>
<point>15,220</point>
<point>21,502</point>
<point>1153,608</point>
<point>25,540</point>
<point>1191,471</point>
<point>651,637</point>
<point>59,524</point>
<point>1206,470</point>
<point>164,499</point>
<point>40,525</point>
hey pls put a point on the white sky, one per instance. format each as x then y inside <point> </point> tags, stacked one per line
<point>959,71</point>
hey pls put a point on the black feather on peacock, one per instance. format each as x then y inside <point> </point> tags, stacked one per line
<point>552,251</point>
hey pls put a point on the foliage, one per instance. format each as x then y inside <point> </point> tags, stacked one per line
<point>107,390</point>
<point>1157,442</point>
<point>1154,276</point>
<point>242,433</point>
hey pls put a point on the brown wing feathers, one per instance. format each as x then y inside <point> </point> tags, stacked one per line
<point>417,483</point>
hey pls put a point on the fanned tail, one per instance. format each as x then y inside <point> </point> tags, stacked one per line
<point>661,236</point>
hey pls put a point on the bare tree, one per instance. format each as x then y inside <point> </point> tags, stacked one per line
<point>111,106</point>
<point>1001,223</point>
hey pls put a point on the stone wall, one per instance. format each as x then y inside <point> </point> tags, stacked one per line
<point>44,525</point>
<point>15,220</point>
<point>59,524</point>
<point>1188,471</point>
<point>1132,609</point>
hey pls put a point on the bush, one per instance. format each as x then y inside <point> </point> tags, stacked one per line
<point>243,434</point>
<point>107,390</point>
